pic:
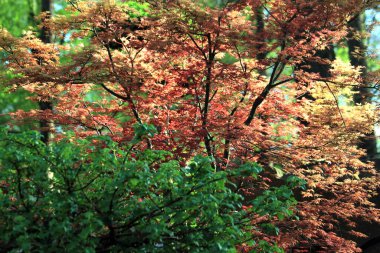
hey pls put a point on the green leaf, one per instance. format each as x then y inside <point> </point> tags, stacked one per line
<point>278,169</point>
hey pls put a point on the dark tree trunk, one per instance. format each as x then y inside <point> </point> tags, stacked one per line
<point>357,56</point>
<point>45,125</point>
<point>356,49</point>
<point>322,69</point>
<point>315,67</point>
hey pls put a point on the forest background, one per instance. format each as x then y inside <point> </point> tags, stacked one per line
<point>185,126</point>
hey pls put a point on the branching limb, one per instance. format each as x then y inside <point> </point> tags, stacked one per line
<point>337,104</point>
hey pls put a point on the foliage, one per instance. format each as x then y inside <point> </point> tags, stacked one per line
<point>12,101</point>
<point>232,82</point>
<point>93,195</point>
<point>17,15</point>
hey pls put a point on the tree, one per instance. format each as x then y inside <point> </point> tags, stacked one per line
<point>216,82</point>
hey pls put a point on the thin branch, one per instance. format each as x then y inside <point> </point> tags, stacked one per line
<point>72,3</point>
<point>274,76</point>
<point>196,44</point>
<point>283,81</point>
<point>263,96</point>
<point>89,182</point>
<point>337,104</point>
<point>213,95</point>
<point>160,209</point>
<point>113,93</point>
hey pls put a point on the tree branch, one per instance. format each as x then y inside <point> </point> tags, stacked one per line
<point>113,93</point>
<point>337,104</point>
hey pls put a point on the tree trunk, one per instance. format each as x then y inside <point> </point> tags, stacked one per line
<point>357,49</point>
<point>45,125</point>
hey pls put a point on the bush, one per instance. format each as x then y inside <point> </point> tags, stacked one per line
<point>94,195</point>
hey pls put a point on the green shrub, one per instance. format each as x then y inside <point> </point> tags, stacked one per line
<point>94,195</point>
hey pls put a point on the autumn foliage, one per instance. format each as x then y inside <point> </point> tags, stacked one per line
<point>233,83</point>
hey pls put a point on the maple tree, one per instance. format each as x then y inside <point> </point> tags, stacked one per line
<point>215,82</point>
